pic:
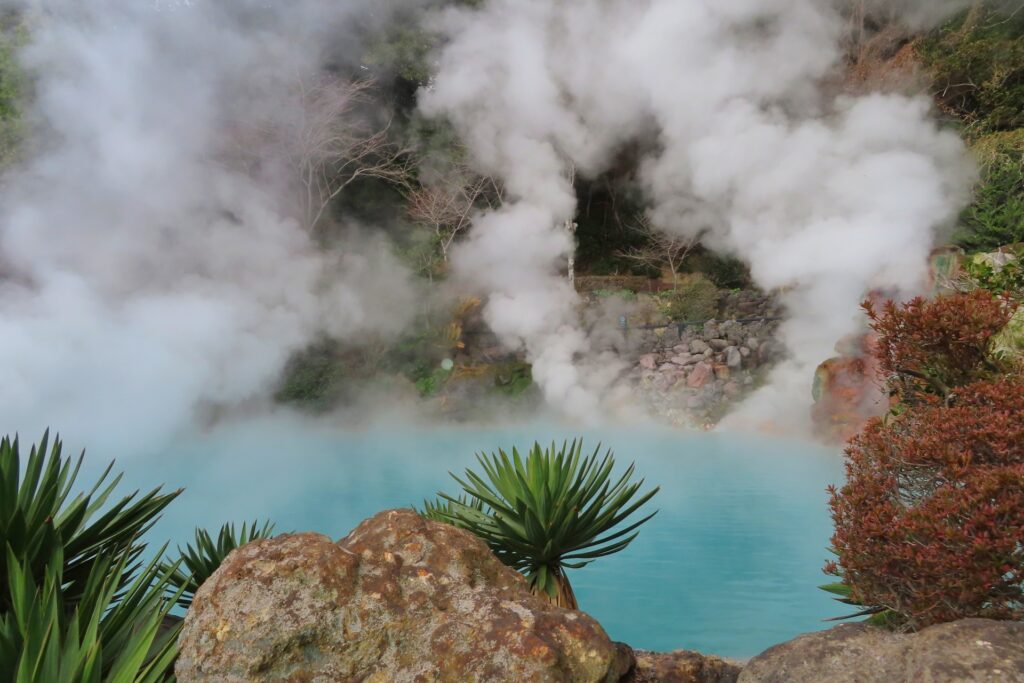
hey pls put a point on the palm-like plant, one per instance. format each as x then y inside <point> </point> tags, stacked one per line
<point>76,603</point>
<point>38,515</point>
<point>198,562</point>
<point>442,510</point>
<point>557,510</point>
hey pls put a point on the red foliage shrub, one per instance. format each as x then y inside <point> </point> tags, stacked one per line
<point>934,346</point>
<point>930,523</point>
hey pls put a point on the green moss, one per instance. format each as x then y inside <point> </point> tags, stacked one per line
<point>624,294</point>
<point>513,378</point>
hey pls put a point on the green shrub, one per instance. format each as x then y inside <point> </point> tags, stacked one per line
<point>695,298</point>
<point>13,86</point>
<point>513,378</point>
<point>75,602</point>
<point>555,511</point>
<point>996,216</point>
<point>724,271</point>
<point>984,271</point>
<point>198,562</point>
<point>313,378</point>
<point>977,65</point>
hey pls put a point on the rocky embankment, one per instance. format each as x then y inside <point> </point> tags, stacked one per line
<point>691,375</point>
<point>403,599</point>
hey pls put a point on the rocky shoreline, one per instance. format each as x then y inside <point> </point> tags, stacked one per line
<point>403,599</point>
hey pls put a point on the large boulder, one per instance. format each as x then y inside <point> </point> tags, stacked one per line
<point>966,651</point>
<point>399,599</point>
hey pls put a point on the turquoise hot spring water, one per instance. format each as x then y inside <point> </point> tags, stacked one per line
<point>730,565</point>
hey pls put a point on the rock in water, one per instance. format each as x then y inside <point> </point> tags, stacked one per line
<point>966,651</point>
<point>399,599</point>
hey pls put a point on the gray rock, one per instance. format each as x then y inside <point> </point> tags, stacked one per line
<point>733,357</point>
<point>966,651</point>
<point>718,344</point>
<point>752,343</point>
<point>698,346</point>
<point>711,330</point>
<point>649,361</point>
<point>744,351</point>
<point>682,359</point>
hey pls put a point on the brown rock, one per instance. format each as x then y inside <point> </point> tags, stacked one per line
<point>399,599</point>
<point>700,375</point>
<point>649,361</point>
<point>966,651</point>
<point>682,666</point>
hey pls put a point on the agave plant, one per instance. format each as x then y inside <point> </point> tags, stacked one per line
<point>38,515</point>
<point>441,510</point>
<point>112,634</point>
<point>198,562</point>
<point>843,592</point>
<point>76,603</point>
<point>557,510</point>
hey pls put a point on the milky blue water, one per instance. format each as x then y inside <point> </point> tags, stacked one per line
<point>729,566</point>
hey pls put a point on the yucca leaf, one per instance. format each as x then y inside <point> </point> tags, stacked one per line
<point>555,505</point>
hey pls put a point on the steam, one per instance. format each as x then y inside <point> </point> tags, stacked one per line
<point>825,198</point>
<point>145,279</point>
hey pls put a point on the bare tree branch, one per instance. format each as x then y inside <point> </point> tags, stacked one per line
<point>447,203</point>
<point>660,248</point>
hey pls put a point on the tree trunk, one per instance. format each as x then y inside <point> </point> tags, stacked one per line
<point>564,596</point>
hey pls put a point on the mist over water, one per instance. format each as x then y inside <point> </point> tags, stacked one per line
<point>729,565</point>
<point>148,279</point>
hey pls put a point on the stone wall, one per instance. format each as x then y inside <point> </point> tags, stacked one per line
<point>691,375</point>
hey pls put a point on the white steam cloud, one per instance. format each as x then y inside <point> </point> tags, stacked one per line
<point>142,278</point>
<point>824,197</point>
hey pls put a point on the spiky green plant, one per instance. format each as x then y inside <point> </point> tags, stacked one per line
<point>441,510</point>
<point>39,514</point>
<point>76,603</point>
<point>112,634</point>
<point>557,510</point>
<point>198,562</point>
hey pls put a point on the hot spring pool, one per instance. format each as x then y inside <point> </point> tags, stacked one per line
<point>729,566</point>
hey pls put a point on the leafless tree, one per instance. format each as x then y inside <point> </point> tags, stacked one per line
<point>660,249</point>
<point>336,144</point>
<point>446,203</point>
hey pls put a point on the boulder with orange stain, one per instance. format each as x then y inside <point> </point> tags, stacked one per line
<point>400,598</point>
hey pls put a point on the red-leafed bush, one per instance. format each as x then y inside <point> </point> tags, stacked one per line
<point>934,346</point>
<point>930,523</point>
